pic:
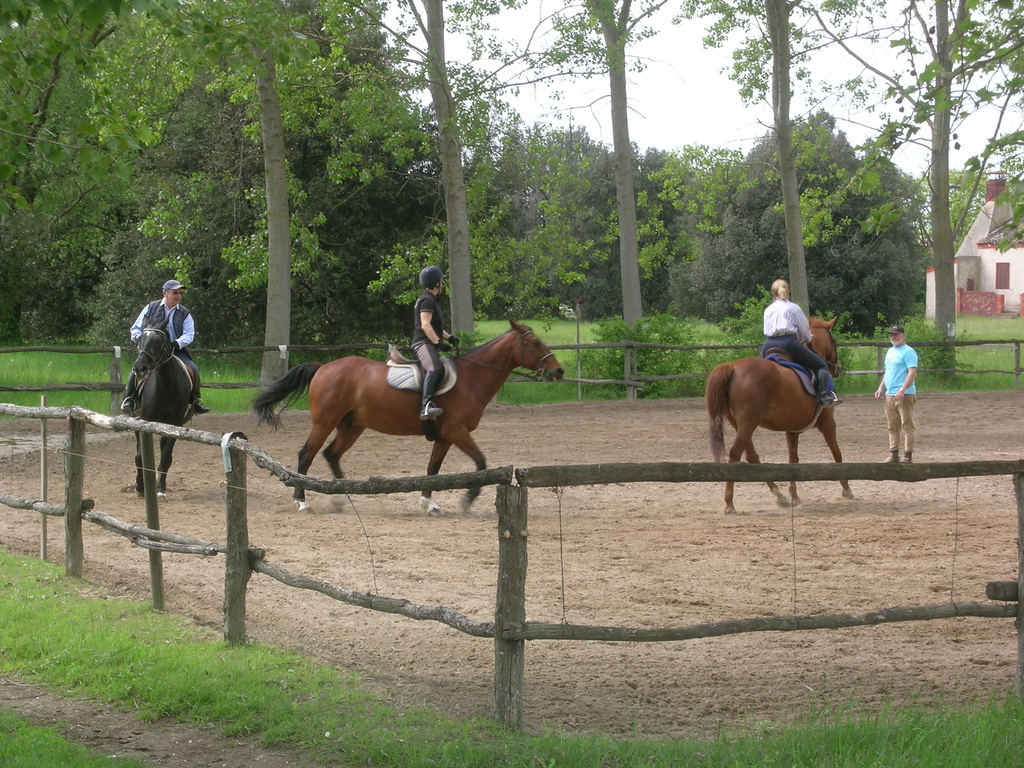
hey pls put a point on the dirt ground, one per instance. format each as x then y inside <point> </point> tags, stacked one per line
<point>644,555</point>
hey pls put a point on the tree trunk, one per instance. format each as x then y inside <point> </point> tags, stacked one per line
<point>777,13</point>
<point>629,249</point>
<point>279,258</point>
<point>456,209</point>
<point>943,248</point>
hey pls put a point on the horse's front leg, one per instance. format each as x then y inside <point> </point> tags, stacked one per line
<point>792,442</point>
<point>140,487</point>
<point>166,457</point>
<point>827,427</point>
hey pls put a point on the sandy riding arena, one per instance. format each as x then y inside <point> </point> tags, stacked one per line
<point>636,555</point>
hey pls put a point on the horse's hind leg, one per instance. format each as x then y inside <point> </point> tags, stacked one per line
<point>740,446</point>
<point>343,440</point>
<point>792,443</point>
<point>754,458</point>
<point>317,435</point>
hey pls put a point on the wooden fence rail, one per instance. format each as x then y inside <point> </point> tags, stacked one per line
<point>633,380</point>
<point>509,630</point>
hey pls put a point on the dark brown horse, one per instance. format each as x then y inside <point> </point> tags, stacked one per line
<point>164,395</point>
<point>754,392</point>
<point>351,394</point>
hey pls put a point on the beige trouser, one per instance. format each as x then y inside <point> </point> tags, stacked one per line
<point>900,416</point>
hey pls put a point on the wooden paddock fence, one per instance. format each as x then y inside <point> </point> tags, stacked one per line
<point>632,378</point>
<point>510,631</point>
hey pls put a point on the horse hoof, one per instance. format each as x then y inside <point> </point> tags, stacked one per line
<point>730,510</point>
<point>161,495</point>
<point>303,506</point>
<point>847,494</point>
<point>431,508</point>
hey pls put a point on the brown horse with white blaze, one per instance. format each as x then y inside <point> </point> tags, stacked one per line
<point>754,392</point>
<point>351,394</point>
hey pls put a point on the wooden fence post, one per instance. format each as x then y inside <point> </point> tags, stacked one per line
<point>236,569</point>
<point>1016,364</point>
<point>44,467</point>
<point>1018,489</point>
<point>115,378</point>
<point>156,562</point>
<point>74,476</point>
<point>509,655</point>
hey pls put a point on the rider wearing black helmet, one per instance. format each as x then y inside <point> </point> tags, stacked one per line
<point>428,336</point>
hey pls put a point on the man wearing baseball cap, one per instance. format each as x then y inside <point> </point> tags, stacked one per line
<point>900,395</point>
<point>182,330</point>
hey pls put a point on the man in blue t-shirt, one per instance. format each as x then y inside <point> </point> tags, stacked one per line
<point>897,385</point>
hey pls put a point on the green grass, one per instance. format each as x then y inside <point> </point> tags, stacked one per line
<point>23,745</point>
<point>157,665</point>
<point>39,368</point>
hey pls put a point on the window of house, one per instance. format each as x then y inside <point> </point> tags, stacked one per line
<point>1002,276</point>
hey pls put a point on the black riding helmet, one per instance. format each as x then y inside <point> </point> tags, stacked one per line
<point>431,276</point>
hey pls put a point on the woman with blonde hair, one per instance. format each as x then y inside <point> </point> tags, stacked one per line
<point>786,327</point>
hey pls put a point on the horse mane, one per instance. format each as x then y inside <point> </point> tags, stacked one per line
<point>496,339</point>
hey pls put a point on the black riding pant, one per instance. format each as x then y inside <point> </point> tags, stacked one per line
<point>801,354</point>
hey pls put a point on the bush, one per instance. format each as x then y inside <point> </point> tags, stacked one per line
<point>656,329</point>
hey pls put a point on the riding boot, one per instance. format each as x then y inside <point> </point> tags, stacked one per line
<point>429,410</point>
<point>893,458</point>
<point>908,457</point>
<point>198,406</point>
<point>826,397</point>
<point>128,404</point>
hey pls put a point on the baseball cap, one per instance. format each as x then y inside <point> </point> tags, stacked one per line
<point>896,329</point>
<point>172,285</point>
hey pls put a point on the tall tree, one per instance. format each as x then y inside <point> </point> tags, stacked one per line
<point>777,13</point>
<point>456,209</point>
<point>950,62</point>
<point>760,69</point>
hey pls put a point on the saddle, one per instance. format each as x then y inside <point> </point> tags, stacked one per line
<point>805,376</point>
<point>404,373</point>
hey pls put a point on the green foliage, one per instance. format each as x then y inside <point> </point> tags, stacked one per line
<point>655,329</point>
<point>849,272</point>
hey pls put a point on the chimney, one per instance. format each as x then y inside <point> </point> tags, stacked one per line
<point>995,186</point>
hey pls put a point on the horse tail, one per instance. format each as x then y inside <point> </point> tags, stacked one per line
<point>288,387</point>
<point>716,400</point>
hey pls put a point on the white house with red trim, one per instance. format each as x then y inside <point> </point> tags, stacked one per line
<point>988,281</point>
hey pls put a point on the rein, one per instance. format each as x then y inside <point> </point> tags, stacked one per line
<point>835,368</point>
<point>537,373</point>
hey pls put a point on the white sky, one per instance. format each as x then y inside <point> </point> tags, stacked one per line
<point>684,98</point>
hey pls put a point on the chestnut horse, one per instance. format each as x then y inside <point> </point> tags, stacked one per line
<point>754,392</point>
<point>351,394</point>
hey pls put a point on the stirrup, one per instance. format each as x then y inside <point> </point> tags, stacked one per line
<point>430,411</point>
<point>128,405</point>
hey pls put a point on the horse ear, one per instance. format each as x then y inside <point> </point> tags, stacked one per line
<point>514,325</point>
<point>830,323</point>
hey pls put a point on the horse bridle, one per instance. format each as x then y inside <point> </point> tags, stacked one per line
<point>537,373</point>
<point>149,356</point>
<point>835,368</point>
